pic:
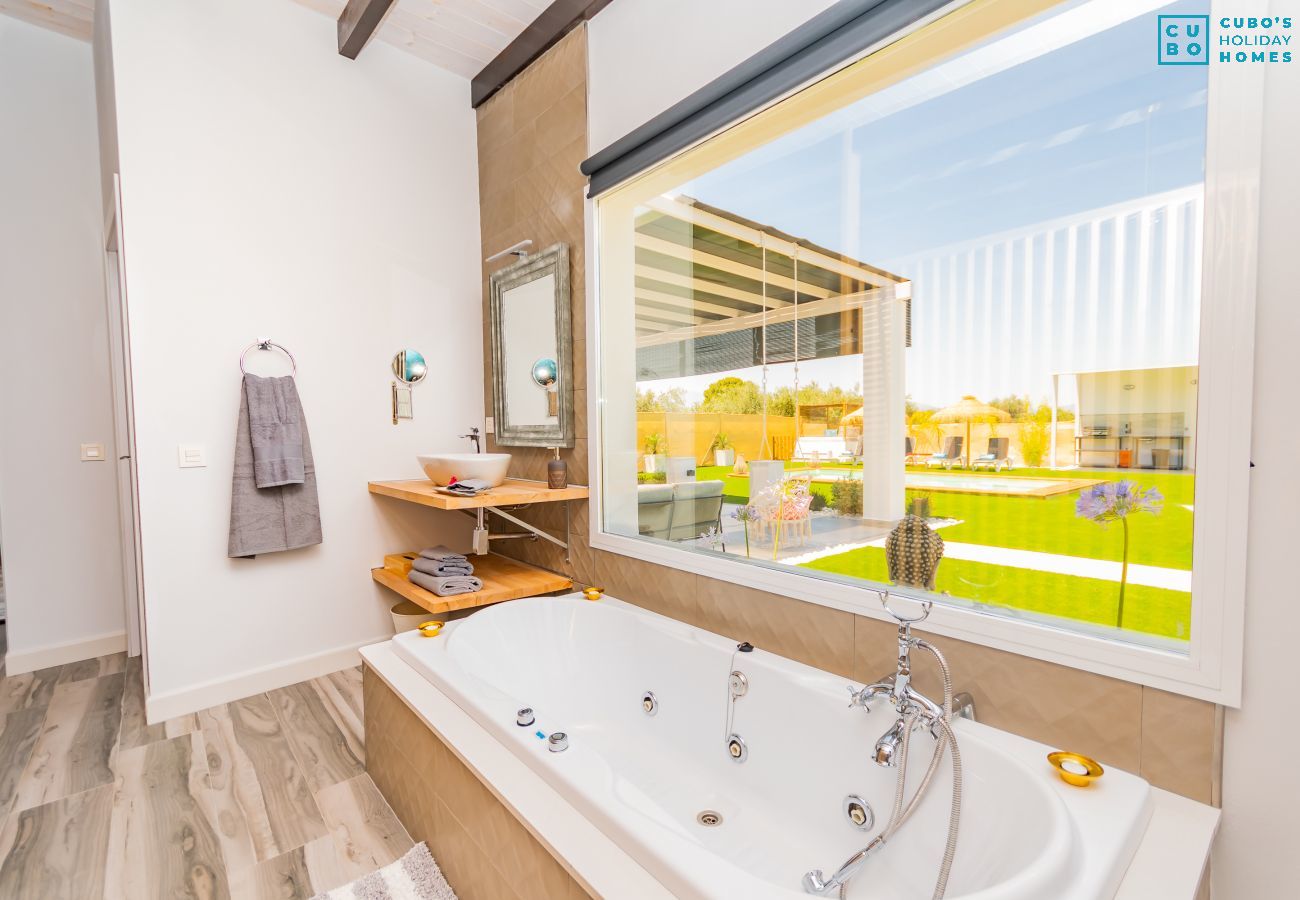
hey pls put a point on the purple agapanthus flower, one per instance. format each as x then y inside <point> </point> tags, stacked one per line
<point>1114,500</point>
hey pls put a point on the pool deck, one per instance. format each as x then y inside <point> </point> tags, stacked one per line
<point>1049,488</point>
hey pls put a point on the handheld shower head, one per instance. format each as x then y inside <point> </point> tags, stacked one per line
<point>888,746</point>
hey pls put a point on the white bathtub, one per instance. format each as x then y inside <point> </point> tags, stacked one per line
<point>583,667</point>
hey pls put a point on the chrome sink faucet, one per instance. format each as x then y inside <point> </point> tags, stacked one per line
<point>473,436</point>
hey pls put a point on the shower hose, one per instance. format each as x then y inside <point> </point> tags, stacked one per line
<point>900,814</point>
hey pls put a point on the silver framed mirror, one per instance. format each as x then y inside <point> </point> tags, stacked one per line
<point>532,351</point>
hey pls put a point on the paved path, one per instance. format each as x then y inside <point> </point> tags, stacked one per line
<point>1081,567</point>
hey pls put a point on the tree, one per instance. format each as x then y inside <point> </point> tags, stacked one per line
<point>922,428</point>
<point>780,402</point>
<point>673,400</point>
<point>732,395</point>
<point>1018,408</point>
<point>1036,437</point>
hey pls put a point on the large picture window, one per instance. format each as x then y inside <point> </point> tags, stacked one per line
<point>931,325</point>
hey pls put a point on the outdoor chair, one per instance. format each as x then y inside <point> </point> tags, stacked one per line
<point>654,506</point>
<point>697,507</point>
<point>787,506</point>
<point>949,456</point>
<point>910,456</point>
<point>852,452</point>
<point>681,511</point>
<point>999,455</point>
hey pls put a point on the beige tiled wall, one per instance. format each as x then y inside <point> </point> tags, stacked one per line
<point>485,852</point>
<point>532,134</point>
<point>531,139</point>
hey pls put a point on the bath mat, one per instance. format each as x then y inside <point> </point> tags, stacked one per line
<point>413,877</point>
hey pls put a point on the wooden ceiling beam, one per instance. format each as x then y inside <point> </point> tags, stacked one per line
<point>358,23</point>
<point>700,286</point>
<point>554,22</point>
<point>698,254</point>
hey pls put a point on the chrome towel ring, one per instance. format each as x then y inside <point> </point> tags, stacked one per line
<point>267,344</point>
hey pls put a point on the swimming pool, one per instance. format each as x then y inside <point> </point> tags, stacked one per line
<point>969,483</point>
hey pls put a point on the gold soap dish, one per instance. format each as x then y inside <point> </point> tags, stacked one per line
<point>593,593</point>
<point>1075,768</point>
<point>430,629</point>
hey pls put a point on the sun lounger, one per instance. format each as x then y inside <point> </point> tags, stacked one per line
<point>949,456</point>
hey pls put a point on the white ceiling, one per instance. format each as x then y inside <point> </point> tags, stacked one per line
<point>461,36</point>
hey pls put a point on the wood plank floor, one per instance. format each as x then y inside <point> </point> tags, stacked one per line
<point>266,797</point>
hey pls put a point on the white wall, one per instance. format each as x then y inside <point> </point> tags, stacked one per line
<point>684,43</point>
<point>272,187</point>
<point>58,515</point>
<point>1255,855</point>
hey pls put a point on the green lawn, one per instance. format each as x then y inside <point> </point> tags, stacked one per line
<point>1049,524</point>
<point>1146,609</point>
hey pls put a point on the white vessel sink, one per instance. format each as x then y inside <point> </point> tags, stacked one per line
<point>441,468</point>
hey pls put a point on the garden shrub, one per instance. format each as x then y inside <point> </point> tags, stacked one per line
<point>651,477</point>
<point>846,497</point>
<point>1035,438</point>
<point>920,503</point>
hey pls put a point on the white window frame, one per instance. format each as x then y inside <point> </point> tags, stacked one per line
<point>1211,667</point>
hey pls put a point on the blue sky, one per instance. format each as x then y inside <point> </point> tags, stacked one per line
<point>1090,123</point>
<point>1084,126</point>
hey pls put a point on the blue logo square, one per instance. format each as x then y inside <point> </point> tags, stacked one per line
<point>1183,40</point>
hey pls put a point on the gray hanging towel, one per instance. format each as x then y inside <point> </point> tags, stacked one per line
<point>272,430</point>
<point>275,425</point>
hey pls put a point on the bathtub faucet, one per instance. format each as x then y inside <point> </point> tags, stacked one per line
<point>909,703</point>
<point>913,711</point>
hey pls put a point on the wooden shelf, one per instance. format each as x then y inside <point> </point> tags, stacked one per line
<point>503,579</point>
<point>514,492</point>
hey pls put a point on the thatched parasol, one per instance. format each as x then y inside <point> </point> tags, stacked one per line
<point>853,418</point>
<point>968,410</point>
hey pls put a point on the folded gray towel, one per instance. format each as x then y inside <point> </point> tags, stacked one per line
<point>275,427</point>
<point>269,519</point>
<point>442,554</point>
<point>470,487</point>
<point>441,569</point>
<point>449,586</point>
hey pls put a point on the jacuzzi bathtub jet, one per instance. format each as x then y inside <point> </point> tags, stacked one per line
<point>644,781</point>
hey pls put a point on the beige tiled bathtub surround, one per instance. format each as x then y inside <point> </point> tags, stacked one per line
<point>485,852</point>
<point>531,137</point>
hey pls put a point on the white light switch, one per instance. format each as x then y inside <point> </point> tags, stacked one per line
<point>92,453</point>
<point>190,456</point>
<point>490,426</point>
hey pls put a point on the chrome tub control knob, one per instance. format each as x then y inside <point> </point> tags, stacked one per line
<point>525,717</point>
<point>557,742</point>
